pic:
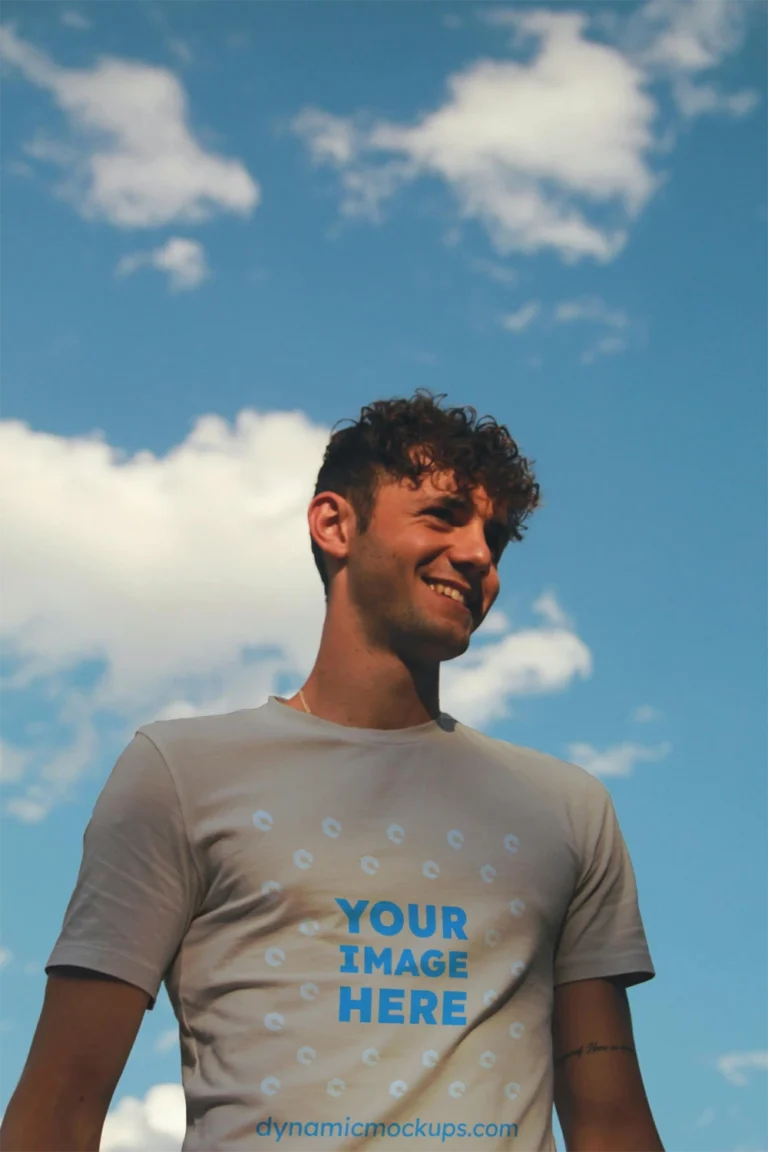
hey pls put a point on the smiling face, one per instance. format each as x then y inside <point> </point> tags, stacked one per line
<point>419,544</point>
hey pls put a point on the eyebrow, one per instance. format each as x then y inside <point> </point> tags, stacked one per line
<point>459,504</point>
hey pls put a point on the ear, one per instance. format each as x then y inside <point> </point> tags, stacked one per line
<point>332,525</point>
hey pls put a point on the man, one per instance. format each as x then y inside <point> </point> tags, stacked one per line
<point>377,927</point>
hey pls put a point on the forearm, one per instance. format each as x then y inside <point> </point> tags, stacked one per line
<point>33,1126</point>
<point>615,1136</point>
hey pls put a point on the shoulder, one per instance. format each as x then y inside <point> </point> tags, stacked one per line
<point>534,762</point>
<point>201,733</point>
<point>561,783</point>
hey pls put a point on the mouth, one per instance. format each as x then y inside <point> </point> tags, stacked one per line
<point>453,596</point>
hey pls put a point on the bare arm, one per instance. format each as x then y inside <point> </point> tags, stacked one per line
<point>599,1092</point>
<point>85,1033</point>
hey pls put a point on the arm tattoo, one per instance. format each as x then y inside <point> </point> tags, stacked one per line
<point>590,1048</point>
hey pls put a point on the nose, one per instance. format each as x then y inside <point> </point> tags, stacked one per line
<point>471,548</point>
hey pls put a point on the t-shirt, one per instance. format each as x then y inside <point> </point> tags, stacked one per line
<point>359,930</point>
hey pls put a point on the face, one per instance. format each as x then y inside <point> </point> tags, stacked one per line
<point>418,539</point>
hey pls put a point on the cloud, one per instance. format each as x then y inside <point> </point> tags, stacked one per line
<point>132,159</point>
<point>73,19</point>
<point>529,148</point>
<point>706,1118</point>
<point>548,606</point>
<point>495,271</point>
<point>590,309</point>
<point>181,49</point>
<point>605,346</point>
<point>183,260</point>
<point>619,760</point>
<point>552,149</point>
<point>734,1064</point>
<point>12,761</point>
<point>594,310</point>
<point>184,583</point>
<point>518,321</point>
<point>677,40</point>
<point>644,713</point>
<point>155,1124</point>
<point>167,1040</point>
<point>5,956</point>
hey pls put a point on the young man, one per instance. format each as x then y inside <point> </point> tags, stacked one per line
<point>377,927</point>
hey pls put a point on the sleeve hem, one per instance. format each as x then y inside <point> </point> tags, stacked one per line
<point>107,964</point>
<point>636,969</point>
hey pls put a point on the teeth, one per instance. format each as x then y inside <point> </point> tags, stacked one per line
<point>446,591</point>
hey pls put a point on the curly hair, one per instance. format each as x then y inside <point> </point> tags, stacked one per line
<point>381,445</point>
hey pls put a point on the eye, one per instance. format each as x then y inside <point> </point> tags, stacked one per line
<point>441,513</point>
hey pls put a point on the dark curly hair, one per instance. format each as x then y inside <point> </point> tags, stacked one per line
<point>381,444</point>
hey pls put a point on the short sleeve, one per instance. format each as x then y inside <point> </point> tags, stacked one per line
<point>138,887</point>
<point>603,933</point>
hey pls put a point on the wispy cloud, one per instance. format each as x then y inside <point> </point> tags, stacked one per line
<point>618,760</point>
<point>735,1065</point>
<point>554,148</point>
<point>521,319</point>
<point>167,1040</point>
<point>495,270</point>
<point>5,956</point>
<point>589,309</point>
<point>644,714</point>
<point>182,260</point>
<point>549,607</point>
<point>132,159</point>
<point>605,346</point>
<point>683,43</point>
<point>71,18</point>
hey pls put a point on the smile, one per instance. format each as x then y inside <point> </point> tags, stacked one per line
<point>447,593</point>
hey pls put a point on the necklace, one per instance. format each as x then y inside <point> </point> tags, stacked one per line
<point>306,706</point>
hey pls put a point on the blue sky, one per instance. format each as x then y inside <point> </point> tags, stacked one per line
<point>228,226</point>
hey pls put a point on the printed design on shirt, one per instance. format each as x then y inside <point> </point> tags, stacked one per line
<point>426,982</point>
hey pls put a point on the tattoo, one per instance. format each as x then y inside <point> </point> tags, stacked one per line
<point>590,1048</point>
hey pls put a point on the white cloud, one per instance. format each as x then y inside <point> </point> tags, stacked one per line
<point>183,260</point>
<point>677,40</point>
<point>591,309</point>
<point>551,149</point>
<point>155,1124</point>
<point>73,19</point>
<point>5,956</point>
<point>694,99</point>
<point>619,760</point>
<point>686,35</point>
<point>734,1065</point>
<point>12,761</point>
<point>133,159</point>
<point>644,713</point>
<point>548,606</point>
<point>189,578</point>
<point>329,138</point>
<point>181,49</point>
<point>495,271</point>
<point>605,346</point>
<point>528,148</point>
<point>167,1040</point>
<point>518,321</point>
<point>706,1118</point>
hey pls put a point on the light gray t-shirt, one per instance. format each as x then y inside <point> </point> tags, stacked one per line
<point>359,930</point>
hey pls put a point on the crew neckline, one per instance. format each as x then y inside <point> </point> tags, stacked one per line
<point>279,710</point>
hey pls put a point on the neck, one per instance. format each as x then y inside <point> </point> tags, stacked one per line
<point>354,685</point>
